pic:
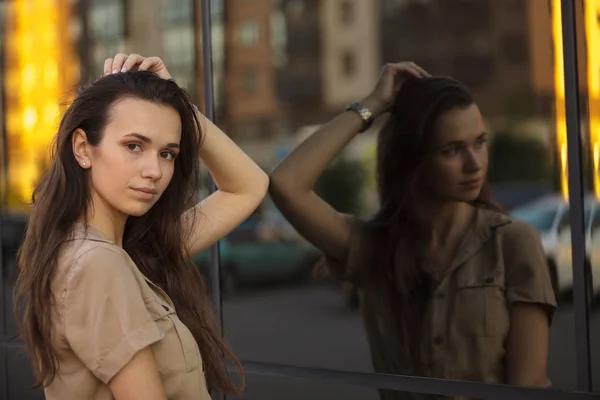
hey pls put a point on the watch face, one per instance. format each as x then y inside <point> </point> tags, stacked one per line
<point>365,114</point>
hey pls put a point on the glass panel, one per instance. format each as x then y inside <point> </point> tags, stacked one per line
<point>283,303</point>
<point>20,379</point>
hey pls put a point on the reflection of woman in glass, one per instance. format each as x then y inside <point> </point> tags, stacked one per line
<point>114,309</point>
<point>451,287</point>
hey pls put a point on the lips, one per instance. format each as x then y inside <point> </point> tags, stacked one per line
<point>472,182</point>
<point>146,190</point>
<point>145,194</point>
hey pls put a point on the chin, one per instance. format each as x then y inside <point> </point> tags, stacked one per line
<point>467,197</point>
<point>137,210</point>
<point>137,213</point>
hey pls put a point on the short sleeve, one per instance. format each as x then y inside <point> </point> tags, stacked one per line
<point>106,320</point>
<point>526,267</point>
<point>352,269</point>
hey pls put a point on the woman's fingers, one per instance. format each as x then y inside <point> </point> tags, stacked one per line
<point>108,66</point>
<point>118,62</point>
<point>132,61</point>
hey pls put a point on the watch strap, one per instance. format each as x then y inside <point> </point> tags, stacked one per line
<point>365,114</point>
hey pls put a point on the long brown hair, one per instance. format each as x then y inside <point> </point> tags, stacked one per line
<point>155,241</point>
<point>401,226</point>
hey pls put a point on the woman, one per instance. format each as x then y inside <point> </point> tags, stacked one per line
<point>450,286</point>
<point>113,309</point>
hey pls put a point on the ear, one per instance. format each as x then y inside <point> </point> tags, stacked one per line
<point>81,148</point>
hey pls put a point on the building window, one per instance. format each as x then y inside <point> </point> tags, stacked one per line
<point>216,9</point>
<point>348,61</point>
<point>179,46</point>
<point>347,10</point>
<point>248,33</point>
<point>106,19</point>
<point>249,80</point>
<point>177,12</point>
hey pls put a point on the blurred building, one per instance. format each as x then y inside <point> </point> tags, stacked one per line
<point>241,30</point>
<point>351,61</point>
<point>280,66</point>
<point>147,27</point>
<point>249,89</point>
<point>332,55</point>
<point>503,50</point>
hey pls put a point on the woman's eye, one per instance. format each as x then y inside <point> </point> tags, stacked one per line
<point>168,155</point>
<point>450,152</point>
<point>134,147</point>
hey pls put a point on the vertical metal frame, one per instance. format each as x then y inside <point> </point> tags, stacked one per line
<point>576,197</point>
<point>215,264</point>
<point>215,258</point>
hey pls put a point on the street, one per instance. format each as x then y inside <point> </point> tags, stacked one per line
<point>310,326</point>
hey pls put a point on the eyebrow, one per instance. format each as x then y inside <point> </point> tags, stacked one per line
<point>460,142</point>
<point>148,140</point>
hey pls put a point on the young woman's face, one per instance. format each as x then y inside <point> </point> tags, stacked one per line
<point>134,161</point>
<point>458,162</point>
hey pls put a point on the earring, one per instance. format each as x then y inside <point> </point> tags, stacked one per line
<point>83,163</point>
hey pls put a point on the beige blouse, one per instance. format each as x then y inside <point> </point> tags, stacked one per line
<point>106,310</point>
<point>467,319</point>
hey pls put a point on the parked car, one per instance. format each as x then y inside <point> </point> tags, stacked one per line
<point>547,214</point>
<point>592,247</point>
<point>550,215</point>
<point>256,254</point>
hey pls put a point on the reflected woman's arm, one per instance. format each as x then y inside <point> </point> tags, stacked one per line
<point>532,305</point>
<point>293,180</point>
<point>527,345</point>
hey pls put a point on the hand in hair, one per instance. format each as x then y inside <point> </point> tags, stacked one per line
<point>242,184</point>
<point>293,180</point>
<point>135,62</point>
<point>392,76</point>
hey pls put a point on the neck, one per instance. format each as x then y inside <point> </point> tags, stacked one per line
<point>449,220</point>
<point>107,220</point>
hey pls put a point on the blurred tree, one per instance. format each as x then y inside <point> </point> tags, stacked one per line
<point>520,106</point>
<point>341,185</point>
<point>514,159</point>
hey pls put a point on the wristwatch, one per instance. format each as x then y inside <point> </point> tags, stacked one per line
<point>365,114</point>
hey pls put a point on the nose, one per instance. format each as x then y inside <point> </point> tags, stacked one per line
<point>152,168</point>
<point>473,162</point>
